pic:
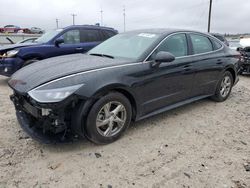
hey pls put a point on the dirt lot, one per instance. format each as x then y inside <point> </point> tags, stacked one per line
<point>204,144</point>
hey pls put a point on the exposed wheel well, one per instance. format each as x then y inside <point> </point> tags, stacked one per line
<point>232,72</point>
<point>131,99</point>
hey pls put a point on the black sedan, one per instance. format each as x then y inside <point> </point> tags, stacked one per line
<point>129,77</point>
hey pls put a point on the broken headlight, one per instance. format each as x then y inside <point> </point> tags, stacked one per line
<point>53,95</point>
<point>11,53</point>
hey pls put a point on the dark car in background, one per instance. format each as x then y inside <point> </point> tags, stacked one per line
<point>221,38</point>
<point>130,76</point>
<point>73,39</point>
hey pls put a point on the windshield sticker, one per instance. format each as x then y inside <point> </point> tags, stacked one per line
<point>148,35</point>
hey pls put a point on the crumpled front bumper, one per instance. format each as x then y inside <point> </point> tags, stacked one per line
<point>29,118</point>
<point>35,133</point>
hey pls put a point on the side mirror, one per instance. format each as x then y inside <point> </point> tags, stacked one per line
<point>58,42</point>
<point>164,57</point>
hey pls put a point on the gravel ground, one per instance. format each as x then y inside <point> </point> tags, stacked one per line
<point>204,144</point>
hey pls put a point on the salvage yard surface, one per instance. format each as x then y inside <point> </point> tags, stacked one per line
<point>204,144</point>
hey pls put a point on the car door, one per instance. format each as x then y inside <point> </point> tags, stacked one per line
<point>71,45</point>
<point>208,57</point>
<point>90,38</point>
<point>168,83</point>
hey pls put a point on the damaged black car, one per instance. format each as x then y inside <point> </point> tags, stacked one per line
<point>129,77</point>
<point>245,60</point>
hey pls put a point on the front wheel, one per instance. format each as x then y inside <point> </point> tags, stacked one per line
<point>224,87</point>
<point>108,118</point>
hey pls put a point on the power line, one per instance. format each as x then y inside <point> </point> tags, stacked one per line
<point>73,15</point>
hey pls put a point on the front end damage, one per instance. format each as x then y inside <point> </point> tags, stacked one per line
<point>245,60</point>
<point>46,123</point>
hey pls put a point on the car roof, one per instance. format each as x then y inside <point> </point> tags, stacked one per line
<point>90,27</point>
<point>162,31</point>
<point>217,34</point>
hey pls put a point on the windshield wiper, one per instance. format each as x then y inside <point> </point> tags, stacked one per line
<point>102,55</point>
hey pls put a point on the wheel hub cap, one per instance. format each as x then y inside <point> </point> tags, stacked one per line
<point>225,86</point>
<point>111,119</point>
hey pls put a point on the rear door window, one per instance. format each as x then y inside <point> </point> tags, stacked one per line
<point>90,35</point>
<point>201,44</point>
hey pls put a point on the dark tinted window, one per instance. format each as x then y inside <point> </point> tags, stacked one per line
<point>71,37</point>
<point>108,34</point>
<point>176,44</point>
<point>201,44</point>
<point>90,35</point>
<point>217,45</point>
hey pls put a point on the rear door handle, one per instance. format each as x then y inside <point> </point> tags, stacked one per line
<point>186,66</point>
<point>219,62</point>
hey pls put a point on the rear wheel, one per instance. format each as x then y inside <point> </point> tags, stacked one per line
<point>224,87</point>
<point>108,118</point>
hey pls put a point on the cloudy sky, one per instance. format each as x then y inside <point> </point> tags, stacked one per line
<point>228,16</point>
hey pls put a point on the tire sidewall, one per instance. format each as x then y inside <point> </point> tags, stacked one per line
<point>90,126</point>
<point>218,95</point>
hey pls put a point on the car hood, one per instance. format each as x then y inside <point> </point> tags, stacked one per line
<point>47,70</point>
<point>13,46</point>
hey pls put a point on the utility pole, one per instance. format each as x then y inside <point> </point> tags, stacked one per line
<point>57,20</point>
<point>101,17</point>
<point>124,18</point>
<point>73,15</point>
<point>209,16</point>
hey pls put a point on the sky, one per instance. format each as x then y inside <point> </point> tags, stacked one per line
<point>228,16</point>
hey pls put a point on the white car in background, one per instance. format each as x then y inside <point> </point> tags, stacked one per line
<point>36,30</point>
<point>235,44</point>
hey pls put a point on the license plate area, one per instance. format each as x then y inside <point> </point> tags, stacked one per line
<point>31,109</point>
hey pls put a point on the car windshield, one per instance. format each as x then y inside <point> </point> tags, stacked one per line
<point>126,45</point>
<point>48,36</point>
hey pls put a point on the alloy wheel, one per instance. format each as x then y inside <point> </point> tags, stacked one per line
<point>226,85</point>
<point>111,119</point>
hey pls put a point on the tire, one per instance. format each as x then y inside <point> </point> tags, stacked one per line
<point>28,62</point>
<point>108,118</point>
<point>222,86</point>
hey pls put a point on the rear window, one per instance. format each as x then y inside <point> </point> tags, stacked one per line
<point>217,45</point>
<point>108,34</point>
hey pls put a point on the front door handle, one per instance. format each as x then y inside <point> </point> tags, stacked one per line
<point>79,48</point>
<point>187,67</point>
